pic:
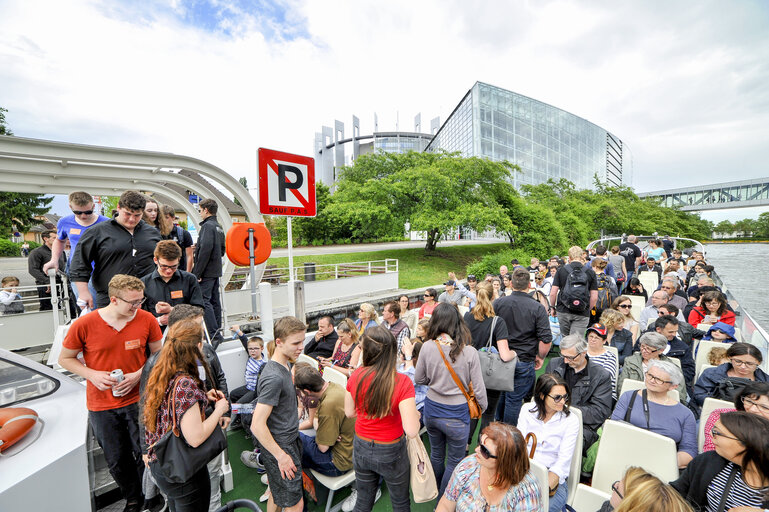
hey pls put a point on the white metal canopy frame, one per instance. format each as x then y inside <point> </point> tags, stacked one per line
<point>49,167</point>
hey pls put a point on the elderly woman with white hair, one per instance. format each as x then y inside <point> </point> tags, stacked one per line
<point>652,409</point>
<point>651,345</point>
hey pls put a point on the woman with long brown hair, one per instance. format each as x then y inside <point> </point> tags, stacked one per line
<point>448,354</point>
<point>174,384</point>
<point>383,401</point>
<point>154,217</point>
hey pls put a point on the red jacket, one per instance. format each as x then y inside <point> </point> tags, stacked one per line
<point>698,314</point>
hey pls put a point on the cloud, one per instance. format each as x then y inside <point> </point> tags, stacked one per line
<point>681,83</point>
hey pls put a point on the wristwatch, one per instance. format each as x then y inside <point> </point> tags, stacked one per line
<point>408,358</point>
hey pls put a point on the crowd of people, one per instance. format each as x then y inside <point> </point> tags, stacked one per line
<point>153,296</point>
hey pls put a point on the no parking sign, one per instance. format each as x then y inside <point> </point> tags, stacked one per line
<point>286,184</point>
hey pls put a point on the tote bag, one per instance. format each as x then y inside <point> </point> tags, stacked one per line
<point>423,484</point>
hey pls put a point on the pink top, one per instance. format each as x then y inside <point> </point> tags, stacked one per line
<point>427,309</point>
<point>712,419</point>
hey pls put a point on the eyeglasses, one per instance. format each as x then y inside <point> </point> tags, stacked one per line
<point>570,358</point>
<point>647,348</point>
<point>486,453</point>
<point>134,304</point>
<point>254,348</point>
<point>168,267</point>
<point>747,402</point>
<point>614,488</point>
<point>558,398</point>
<point>82,212</point>
<point>717,433</point>
<point>625,306</point>
<point>745,364</point>
<point>656,380</point>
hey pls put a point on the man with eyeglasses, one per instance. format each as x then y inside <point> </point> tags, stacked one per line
<point>658,299</point>
<point>669,285</point>
<point>123,245</point>
<point>115,337</point>
<point>168,286</point>
<point>589,383</point>
<point>72,228</point>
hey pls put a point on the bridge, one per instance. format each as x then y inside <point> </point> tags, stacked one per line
<point>734,194</point>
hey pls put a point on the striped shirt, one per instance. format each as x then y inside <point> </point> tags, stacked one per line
<point>740,494</point>
<point>253,367</point>
<point>608,361</point>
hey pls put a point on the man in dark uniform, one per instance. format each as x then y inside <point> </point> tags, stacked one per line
<point>37,259</point>
<point>208,264</point>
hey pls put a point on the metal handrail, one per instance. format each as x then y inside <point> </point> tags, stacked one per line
<point>325,271</point>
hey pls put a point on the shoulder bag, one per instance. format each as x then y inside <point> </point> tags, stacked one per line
<point>498,375</point>
<point>177,460</point>
<point>472,402</point>
<point>423,483</point>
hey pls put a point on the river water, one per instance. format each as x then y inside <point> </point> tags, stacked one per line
<point>744,268</point>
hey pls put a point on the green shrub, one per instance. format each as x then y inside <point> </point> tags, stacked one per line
<point>490,263</point>
<point>13,249</point>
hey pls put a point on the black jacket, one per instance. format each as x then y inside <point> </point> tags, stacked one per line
<point>696,478</point>
<point>622,340</point>
<point>182,288</point>
<point>656,268</point>
<point>322,348</point>
<point>217,374</point>
<point>209,249</point>
<point>591,394</point>
<point>113,250</point>
<point>527,323</point>
<point>39,257</point>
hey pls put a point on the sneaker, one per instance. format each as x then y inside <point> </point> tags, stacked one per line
<point>264,497</point>
<point>349,503</point>
<point>264,480</point>
<point>250,459</point>
<point>156,504</point>
<point>133,507</point>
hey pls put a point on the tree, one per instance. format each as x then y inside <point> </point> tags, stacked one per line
<point>434,192</point>
<point>762,225</point>
<point>243,181</point>
<point>4,130</point>
<point>724,227</point>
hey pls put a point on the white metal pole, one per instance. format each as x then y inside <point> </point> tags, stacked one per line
<point>291,276</point>
<point>265,301</point>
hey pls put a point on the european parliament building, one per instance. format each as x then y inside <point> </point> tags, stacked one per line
<point>546,142</point>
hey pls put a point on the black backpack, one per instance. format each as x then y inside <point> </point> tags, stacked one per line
<point>576,292</point>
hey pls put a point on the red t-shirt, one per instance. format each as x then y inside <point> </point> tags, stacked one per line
<point>106,349</point>
<point>384,429</point>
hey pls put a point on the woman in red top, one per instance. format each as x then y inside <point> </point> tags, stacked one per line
<point>430,303</point>
<point>712,309</point>
<point>383,401</point>
<point>176,371</point>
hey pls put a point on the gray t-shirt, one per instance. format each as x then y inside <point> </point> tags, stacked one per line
<point>276,388</point>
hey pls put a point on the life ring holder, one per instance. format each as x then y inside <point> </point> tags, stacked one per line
<point>15,424</point>
<point>237,243</point>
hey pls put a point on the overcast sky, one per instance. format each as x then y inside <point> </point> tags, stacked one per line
<point>685,85</point>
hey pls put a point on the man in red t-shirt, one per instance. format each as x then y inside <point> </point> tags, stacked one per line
<point>110,338</point>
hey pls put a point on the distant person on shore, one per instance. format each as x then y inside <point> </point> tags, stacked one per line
<point>10,300</point>
<point>38,258</point>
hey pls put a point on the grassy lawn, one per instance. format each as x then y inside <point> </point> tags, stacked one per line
<point>416,267</point>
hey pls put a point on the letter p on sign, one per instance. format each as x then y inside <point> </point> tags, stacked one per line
<point>286,184</point>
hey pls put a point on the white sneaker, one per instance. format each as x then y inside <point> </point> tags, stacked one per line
<point>264,479</point>
<point>349,503</point>
<point>264,497</point>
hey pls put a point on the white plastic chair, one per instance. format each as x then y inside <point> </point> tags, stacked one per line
<point>304,358</point>
<point>737,334</point>
<point>632,384</point>
<point>333,484</point>
<point>638,304</point>
<point>575,469</point>
<point>624,445</point>
<point>708,406</point>
<point>616,356</point>
<point>703,350</point>
<point>332,375</point>
<point>650,280</point>
<point>540,473</point>
<point>588,499</point>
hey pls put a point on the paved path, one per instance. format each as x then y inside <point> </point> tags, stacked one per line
<point>343,249</point>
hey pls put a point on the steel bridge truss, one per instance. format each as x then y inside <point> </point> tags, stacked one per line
<point>735,194</point>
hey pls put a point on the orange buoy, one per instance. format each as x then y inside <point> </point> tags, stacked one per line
<point>15,423</point>
<point>237,243</point>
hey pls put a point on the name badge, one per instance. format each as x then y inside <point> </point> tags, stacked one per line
<point>177,294</point>
<point>74,231</point>
<point>133,344</point>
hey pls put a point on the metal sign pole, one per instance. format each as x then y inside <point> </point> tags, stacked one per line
<point>252,268</point>
<point>291,276</point>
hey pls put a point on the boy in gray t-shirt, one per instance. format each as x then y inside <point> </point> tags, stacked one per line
<point>276,424</point>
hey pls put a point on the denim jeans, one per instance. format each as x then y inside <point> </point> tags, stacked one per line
<point>448,440</point>
<point>313,458</point>
<point>572,323</point>
<point>523,383</point>
<point>390,461</point>
<point>117,432</point>
<point>191,496</point>
<point>212,307</point>
<point>558,500</point>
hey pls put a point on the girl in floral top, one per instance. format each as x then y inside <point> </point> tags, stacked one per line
<point>175,377</point>
<point>495,478</point>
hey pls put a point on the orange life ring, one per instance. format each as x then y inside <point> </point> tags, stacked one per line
<point>15,422</point>
<point>237,243</point>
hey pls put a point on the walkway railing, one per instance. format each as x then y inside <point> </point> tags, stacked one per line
<point>318,272</point>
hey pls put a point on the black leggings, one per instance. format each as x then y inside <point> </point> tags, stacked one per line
<point>191,496</point>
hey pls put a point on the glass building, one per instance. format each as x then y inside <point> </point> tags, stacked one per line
<point>545,141</point>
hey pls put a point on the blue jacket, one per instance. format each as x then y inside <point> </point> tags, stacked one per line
<point>683,352</point>
<point>623,341</point>
<point>710,378</point>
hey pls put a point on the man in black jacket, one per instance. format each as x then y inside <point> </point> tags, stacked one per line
<point>209,250</point>
<point>37,259</point>
<point>527,326</point>
<point>589,385</point>
<point>323,342</point>
<point>123,245</point>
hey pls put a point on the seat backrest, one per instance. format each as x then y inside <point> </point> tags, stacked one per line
<point>638,303</point>
<point>650,280</point>
<point>332,375</point>
<point>575,469</point>
<point>624,445</point>
<point>540,473</point>
<point>616,355</point>
<point>588,498</point>
<point>703,350</point>
<point>737,334</point>
<point>708,406</point>
<point>304,358</point>
<point>632,384</point>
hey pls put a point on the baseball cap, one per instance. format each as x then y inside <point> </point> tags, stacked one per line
<point>599,329</point>
<point>450,282</point>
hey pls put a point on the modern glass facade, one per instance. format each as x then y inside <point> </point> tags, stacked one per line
<point>546,142</point>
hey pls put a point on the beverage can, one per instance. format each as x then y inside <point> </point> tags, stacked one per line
<point>119,377</point>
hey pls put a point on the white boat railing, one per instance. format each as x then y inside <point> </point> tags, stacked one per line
<point>322,271</point>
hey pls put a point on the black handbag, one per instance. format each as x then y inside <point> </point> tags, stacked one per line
<point>177,460</point>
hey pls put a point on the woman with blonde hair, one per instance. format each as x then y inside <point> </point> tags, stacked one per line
<point>346,352</point>
<point>639,490</point>
<point>174,388</point>
<point>366,318</point>
<point>624,305</point>
<point>616,334</point>
<point>154,218</point>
